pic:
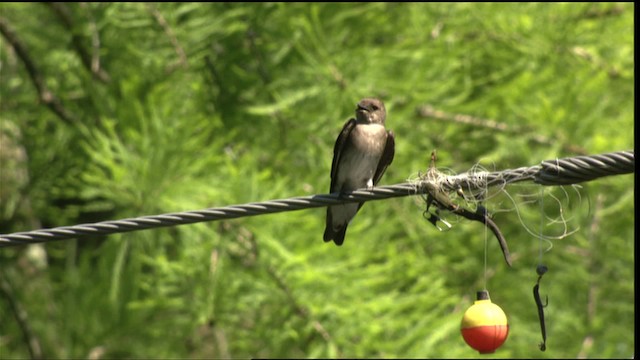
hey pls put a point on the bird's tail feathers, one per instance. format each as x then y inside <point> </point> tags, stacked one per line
<point>336,235</point>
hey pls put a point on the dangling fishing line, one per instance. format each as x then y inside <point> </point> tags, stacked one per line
<point>541,269</point>
<point>486,235</point>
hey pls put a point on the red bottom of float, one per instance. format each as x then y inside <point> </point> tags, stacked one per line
<point>486,339</point>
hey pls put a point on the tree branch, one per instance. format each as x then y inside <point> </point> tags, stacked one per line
<point>300,310</point>
<point>33,344</point>
<point>64,14</point>
<point>430,112</point>
<point>182,56</point>
<point>46,96</point>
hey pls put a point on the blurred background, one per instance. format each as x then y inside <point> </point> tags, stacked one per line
<point>119,110</point>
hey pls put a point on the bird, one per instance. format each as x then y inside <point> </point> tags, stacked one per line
<point>362,152</point>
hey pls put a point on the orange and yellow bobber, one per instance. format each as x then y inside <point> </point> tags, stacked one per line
<point>484,325</point>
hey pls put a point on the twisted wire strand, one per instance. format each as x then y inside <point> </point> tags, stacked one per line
<point>551,172</point>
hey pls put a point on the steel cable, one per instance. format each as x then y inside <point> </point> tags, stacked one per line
<point>564,171</point>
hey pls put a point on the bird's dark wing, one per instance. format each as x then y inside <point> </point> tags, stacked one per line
<point>337,150</point>
<point>386,158</point>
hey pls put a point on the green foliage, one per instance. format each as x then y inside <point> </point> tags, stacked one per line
<point>226,103</point>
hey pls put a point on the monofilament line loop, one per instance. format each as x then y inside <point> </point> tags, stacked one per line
<point>552,172</point>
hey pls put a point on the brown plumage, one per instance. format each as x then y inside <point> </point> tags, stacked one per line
<point>361,155</point>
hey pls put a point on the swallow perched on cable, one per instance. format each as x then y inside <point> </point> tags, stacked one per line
<point>361,155</point>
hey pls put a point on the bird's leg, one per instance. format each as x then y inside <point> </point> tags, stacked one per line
<point>370,184</point>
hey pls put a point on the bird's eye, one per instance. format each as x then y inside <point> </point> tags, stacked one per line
<point>374,107</point>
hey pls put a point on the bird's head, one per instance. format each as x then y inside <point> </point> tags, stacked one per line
<point>370,111</point>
